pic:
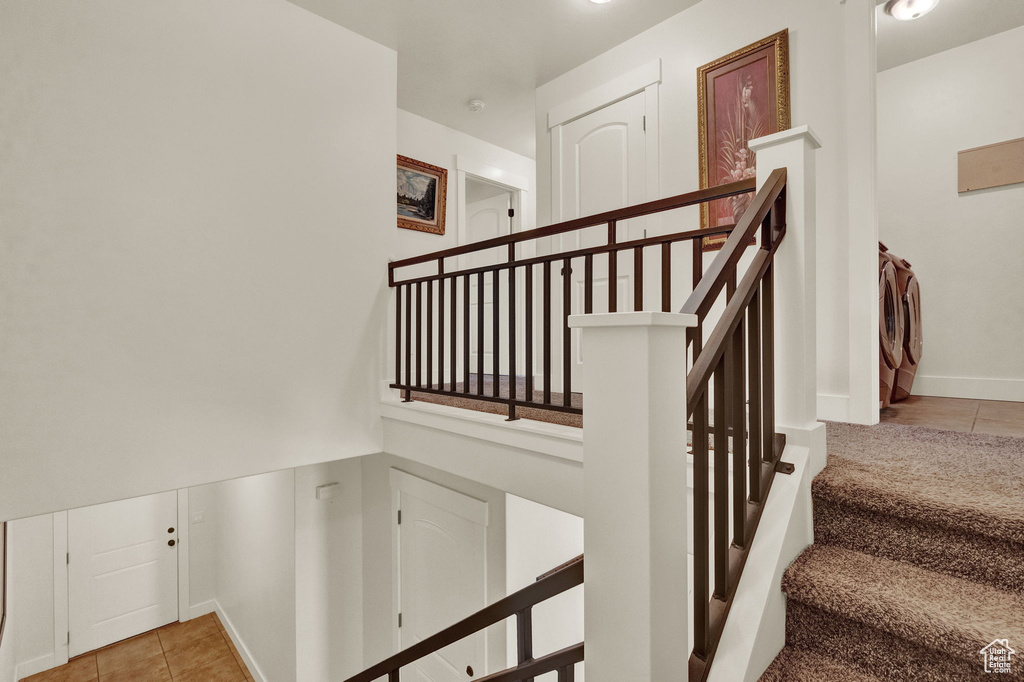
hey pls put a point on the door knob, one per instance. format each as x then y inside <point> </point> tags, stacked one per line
<point>469,670</point>
<point>170,543</point>
<point>170,530</point>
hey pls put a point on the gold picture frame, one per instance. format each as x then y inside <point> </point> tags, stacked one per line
<point>422,193</point>
<point>741,96</point>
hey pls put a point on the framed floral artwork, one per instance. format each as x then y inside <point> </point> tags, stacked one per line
<point>422,190</point>
<point>741,96</point>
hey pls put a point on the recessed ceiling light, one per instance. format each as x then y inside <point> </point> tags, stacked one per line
<point>906,10</point>
<point>600,2</point>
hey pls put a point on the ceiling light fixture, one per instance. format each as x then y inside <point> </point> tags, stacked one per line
<point>906,10</point>
<point>476,105</point>
<point>600,2</point>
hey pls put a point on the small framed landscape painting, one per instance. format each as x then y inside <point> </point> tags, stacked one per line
<point>422,190</point>
<point>741,96</point>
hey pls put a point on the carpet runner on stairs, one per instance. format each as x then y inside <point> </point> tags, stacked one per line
<point>918,561</point>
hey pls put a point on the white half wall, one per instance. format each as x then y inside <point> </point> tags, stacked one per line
<point>197,202</point>
<point>820,97</point>
<point>966,249</point>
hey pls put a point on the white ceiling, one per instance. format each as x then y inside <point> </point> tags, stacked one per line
<point>452,51</point>
<point>951,24</point>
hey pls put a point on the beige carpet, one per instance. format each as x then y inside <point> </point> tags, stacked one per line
<point>918,561</point>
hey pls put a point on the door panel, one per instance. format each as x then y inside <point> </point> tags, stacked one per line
<point>603,167</point>
<point>487,219</point>
<point>122,573</point>
<point>442,579</point>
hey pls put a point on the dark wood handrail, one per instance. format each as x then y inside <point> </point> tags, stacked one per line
<point>692,235</point>
<point>637,211</point>
<point>704,365</point>
<point>714,280</point>
<point>559,660</point>
<point>554,584</point>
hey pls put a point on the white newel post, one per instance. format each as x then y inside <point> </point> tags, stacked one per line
<point>796,369</point>
<point>634,473</point>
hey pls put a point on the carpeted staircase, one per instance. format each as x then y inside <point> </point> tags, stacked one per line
<point>918,561</point>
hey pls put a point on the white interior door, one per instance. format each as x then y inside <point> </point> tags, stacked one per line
<point>442,572</point>
<point>485,219</point>
<point>603,161</point>
<point>122,570</point>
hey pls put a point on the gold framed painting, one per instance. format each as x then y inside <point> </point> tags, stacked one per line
<point>741,96</point>
<point>422,190</point>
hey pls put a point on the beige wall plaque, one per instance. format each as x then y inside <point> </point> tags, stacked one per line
<point>993,165</point>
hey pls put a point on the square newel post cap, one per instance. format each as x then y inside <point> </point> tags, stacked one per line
<point>803,132</point>
<point>642,318</point>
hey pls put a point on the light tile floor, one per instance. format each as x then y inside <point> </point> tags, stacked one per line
<point>994,417</point>
<point>199,650</point>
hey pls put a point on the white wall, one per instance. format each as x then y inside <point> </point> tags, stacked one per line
<point>255,566</point>
<point>698,35</point>
<point>329,572</point>
<point>537,539</point>
<point>966,249</point>
<point>197,201</point>
<point>379,605</point>
<point>30,592</point>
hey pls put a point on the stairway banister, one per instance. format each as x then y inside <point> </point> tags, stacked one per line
<point>554,584</point>
<point>711,284</point>
<point>556,661</point>
<point>636,211</point>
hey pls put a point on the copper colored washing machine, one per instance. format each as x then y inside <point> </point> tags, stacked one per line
<point>890,326</point>
<point>913,341</point>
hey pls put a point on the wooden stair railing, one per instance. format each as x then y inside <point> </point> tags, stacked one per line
<point>519,604</point>
<point>735,371</point>
<point>436,333</point>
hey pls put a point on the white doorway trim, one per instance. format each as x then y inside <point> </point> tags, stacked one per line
<point>184,600</point>
<point>626,85</point>
<point>517,185</point>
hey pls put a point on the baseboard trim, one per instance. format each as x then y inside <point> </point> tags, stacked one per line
<point>198,610</point>
<point>833,408</point>
<point>250,662</point>
<point>969,387</point>
<point>35,666</point>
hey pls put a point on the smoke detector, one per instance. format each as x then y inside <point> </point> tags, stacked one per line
<point>907,10</point>
<point>476,105</point>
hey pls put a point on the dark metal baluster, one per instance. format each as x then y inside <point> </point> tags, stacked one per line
<point>754,391</point>
<point>721,486</point>
<point>566,333</point>
<point>513,381</point>
<point>528,315</point>
<point>440,327</point>
<point>566,674</point>
<point>547,332</point>
<point>768,363</point>
<point>398,335</point>
<point>465,334</point>
<point>408,341</point>
<point>393,676</point>
<point>736,395</point>
<point>453,336</point>
<point>480,333</point>
<point>666,277</point>
<point>588,284</point>
<point>496,333</point>
<point>419,334</point>
<point>638,278</point>
<point>698,273</point>
<point>430,333</point>
<point>524,637</point>
<point>613,270</point>
<point>701,535</point>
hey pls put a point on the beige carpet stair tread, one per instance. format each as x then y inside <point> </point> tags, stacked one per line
<point>941,612</point>
<point>923,474</point>
<point>799,665</point>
